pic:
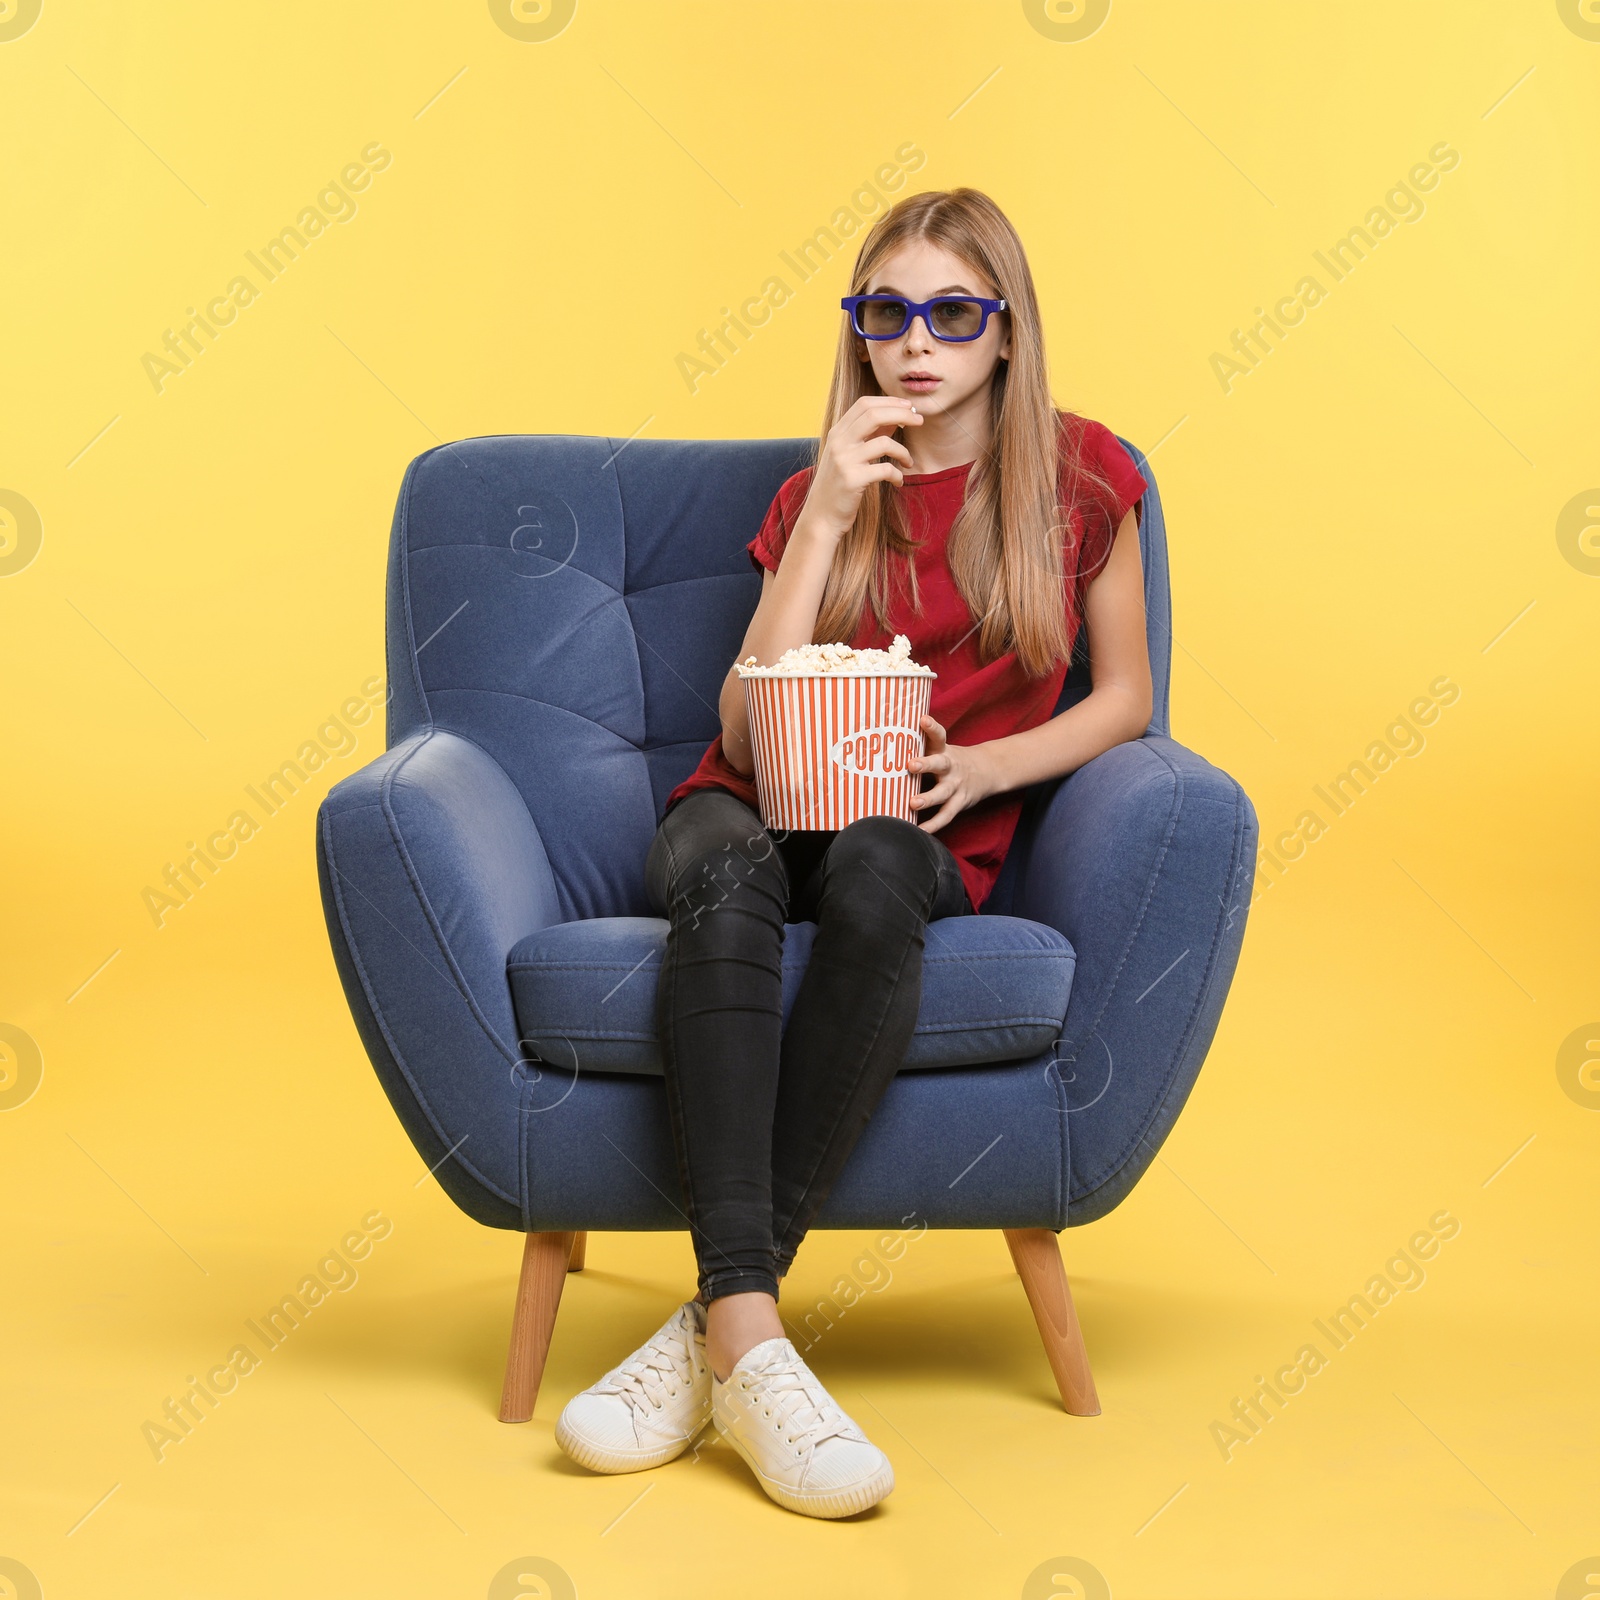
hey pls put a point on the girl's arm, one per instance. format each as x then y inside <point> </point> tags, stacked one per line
<point>852,456</point>
<point>1116,709</point>
<point>785,616</point>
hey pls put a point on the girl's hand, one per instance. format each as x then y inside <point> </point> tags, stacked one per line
<point>963,772</point>
<point>856,452</point>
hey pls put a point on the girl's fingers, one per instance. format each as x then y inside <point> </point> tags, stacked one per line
<point>884,414</point>
<point>867,405</point>
<point>893,447</point>
<point>876,449</point>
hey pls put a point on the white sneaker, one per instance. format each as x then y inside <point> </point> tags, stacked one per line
<point>648,1409</point>
<point>805,1450</point>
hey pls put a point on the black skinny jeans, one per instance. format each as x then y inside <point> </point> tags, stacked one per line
<point>763,1116</point>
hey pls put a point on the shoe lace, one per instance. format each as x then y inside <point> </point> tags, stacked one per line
<point>810,1414</point>
<point>661,1362</point>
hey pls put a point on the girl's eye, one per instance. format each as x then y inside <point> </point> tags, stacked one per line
<point>884,316</point>
<point>959,316</point>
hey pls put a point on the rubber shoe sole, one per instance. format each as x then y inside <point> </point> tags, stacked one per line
<point>597,1459</point>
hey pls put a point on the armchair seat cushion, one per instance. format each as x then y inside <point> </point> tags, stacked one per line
<point>994,988</point>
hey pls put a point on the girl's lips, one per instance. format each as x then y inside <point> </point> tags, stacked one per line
<point>922,384</point>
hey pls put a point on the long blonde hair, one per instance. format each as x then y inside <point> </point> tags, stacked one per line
<point>1007,549</point>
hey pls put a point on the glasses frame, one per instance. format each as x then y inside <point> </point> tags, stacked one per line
<point>921,308</point>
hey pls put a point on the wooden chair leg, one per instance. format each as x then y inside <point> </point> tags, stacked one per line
<point>545,1259</point>
<point>1037,1255</point>
<point>579,1240</point>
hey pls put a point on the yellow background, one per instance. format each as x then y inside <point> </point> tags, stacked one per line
<point>1374,505</point>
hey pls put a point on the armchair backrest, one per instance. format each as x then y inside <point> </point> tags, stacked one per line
<point>572,604</point>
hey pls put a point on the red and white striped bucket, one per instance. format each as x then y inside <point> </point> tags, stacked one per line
<point>832,747</point>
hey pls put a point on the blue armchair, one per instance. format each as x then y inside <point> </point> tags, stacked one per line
<point>561,612</point>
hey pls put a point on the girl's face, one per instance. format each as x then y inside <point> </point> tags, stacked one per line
<point>939,375</point>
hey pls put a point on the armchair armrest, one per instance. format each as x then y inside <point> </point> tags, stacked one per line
<point>1144,858</point>
<point>431,869</point>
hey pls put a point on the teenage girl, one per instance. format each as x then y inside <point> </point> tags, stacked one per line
<point>953,503</point>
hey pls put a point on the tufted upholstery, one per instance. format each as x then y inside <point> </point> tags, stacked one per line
<point>560,596</point>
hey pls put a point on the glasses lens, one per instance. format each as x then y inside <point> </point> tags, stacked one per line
<point>882,318</point>
<point>957,319</point>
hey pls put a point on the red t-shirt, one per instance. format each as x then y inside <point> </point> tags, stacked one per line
<point>973,700</point>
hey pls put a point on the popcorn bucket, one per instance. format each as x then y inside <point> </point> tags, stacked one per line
<point>833,747</point>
